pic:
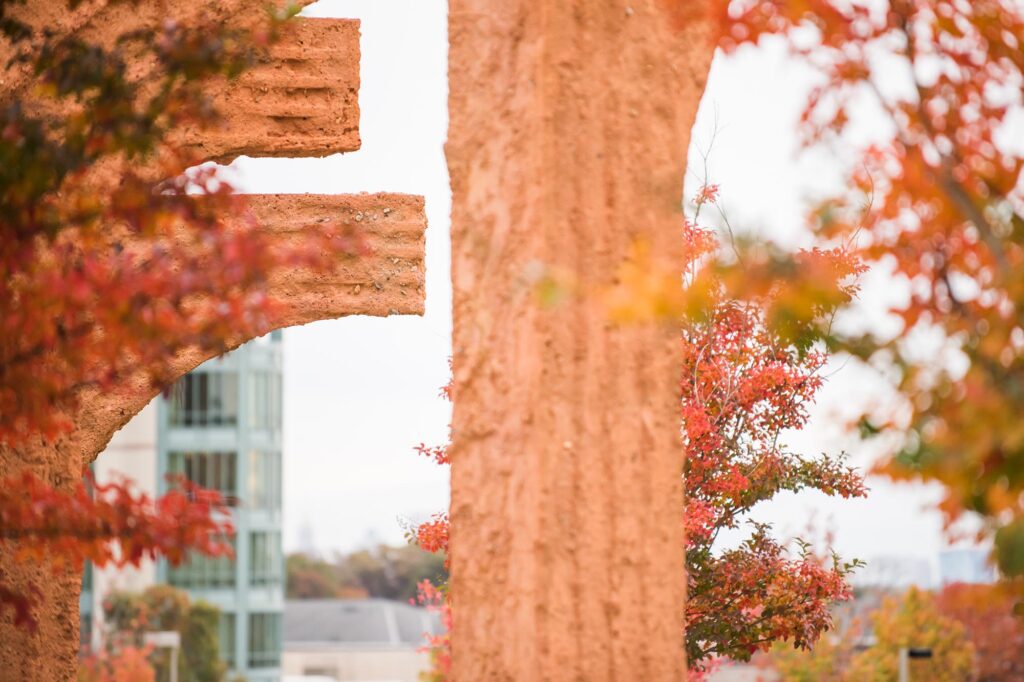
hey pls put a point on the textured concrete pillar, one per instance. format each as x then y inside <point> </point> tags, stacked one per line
<point>570,122</point>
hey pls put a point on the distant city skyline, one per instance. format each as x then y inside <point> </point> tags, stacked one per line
<point>955,565</point>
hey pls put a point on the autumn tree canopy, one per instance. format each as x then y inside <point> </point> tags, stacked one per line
<point>116,256</point>
<point>934,201</point>
<point>913,621</point>
<point>742,388</point>
<point>105,524</point>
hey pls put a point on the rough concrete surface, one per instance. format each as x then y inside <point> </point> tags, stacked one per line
<point>101,22</point>
<point>569,126</point>
<point>301,100</point>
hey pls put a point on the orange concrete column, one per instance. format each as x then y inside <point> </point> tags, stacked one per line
<point>570,122</point>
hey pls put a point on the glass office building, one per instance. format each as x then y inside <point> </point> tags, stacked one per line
<point>220,427</point>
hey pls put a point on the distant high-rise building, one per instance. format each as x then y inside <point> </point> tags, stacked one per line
<point>220,427</point>
<point>307,540</point>
<point>965,565</point>
<point>895,572</point>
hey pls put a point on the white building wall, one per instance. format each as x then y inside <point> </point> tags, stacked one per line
<point>966,565</point>
<point>131,455</point>
<point>348,665</point>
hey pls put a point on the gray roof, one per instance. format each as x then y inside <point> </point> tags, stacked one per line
<point>345,623</point>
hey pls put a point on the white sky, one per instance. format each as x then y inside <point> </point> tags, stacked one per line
<point>361,392</point>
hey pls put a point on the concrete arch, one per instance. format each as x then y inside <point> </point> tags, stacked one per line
<point>388,281</point>
<point>307,107</point>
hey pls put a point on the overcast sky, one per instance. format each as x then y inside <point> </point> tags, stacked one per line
<point>361,392</point>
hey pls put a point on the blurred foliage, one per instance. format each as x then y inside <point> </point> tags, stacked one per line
<point>106,524</point>
<point>938,201</point>
<point>871,651</point>
<point>129,616</point>
<point>996,631</point>
<point>385,572</point>
<point>107,237</point>
<point>126,664</point>
<point>914,620</point>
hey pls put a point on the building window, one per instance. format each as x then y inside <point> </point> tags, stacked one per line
<point>204,572</point>
<point>265,404</point>
<point>205,399</point>
<point>226,636</point>
<point>212,470</point>
<point>85,630</point>
<point>264,489</point>
<point>264,640</point>
<point>87,577</point>
<point>264,558</point>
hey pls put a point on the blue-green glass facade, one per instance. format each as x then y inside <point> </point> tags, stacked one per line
<point>221,428</point>
<point>85,602</point>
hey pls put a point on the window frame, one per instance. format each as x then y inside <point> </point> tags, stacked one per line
<point>264,649</point>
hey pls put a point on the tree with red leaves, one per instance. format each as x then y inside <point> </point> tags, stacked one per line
<point>742,387</point>
<point>937,201</point>
<point>116,257</point>
<point>105,524</point>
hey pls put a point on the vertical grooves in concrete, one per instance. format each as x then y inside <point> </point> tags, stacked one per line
<point>569,127</point>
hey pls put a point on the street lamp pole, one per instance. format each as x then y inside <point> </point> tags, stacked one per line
<point>166,639</point>
<point>907,653</point>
